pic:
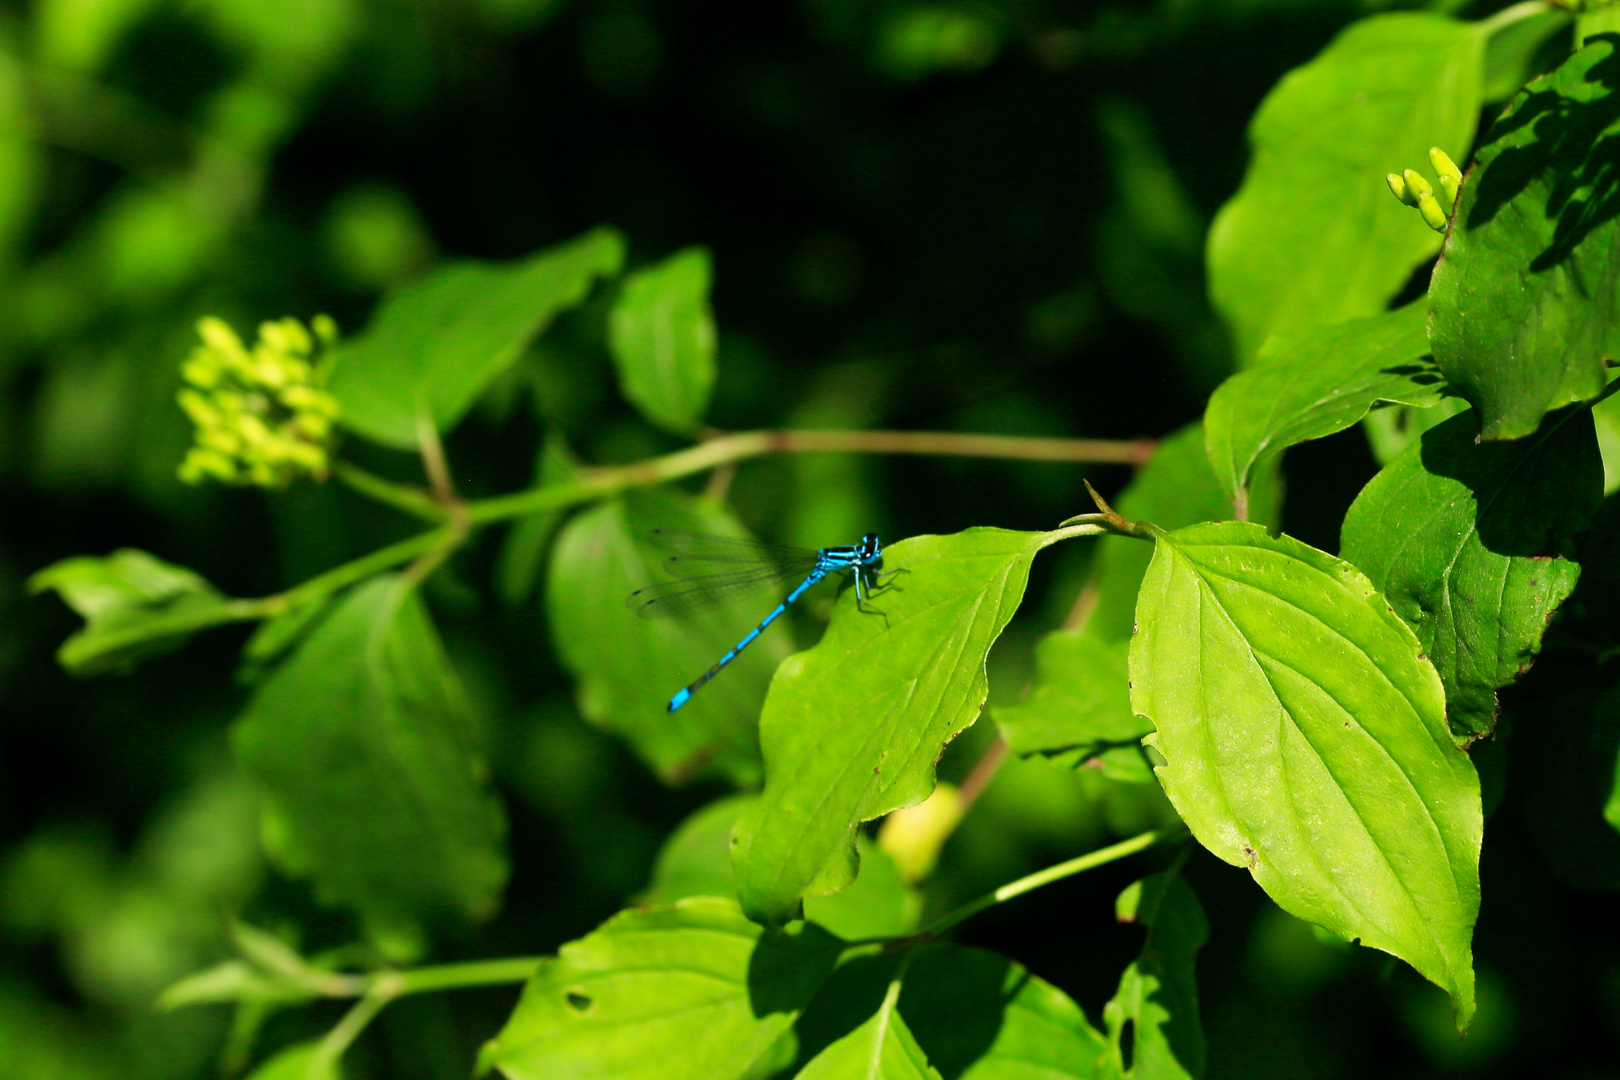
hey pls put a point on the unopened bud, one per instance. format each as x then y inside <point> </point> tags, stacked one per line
<point>1433,216</point>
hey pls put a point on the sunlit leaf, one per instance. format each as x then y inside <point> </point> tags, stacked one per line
<point>302,1061</point>
<point>627,667</point>
<point>689,992</point>
<point>1157,1000</point>
<point>373,780</point>
<point>433,347</point>
<point>663,339</point>
<point>852,728</point>
<point>1525,309</point>
<point>1315,383</point>
<point>134,606</point>
<point>696,861</point>
<point>1473,544</point>
<point>1080,705</point>
<point>1313,236</point>
<point>1304,738</point>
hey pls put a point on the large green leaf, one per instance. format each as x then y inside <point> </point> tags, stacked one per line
<point>627,667</point>
<point>1524,302</point>
<point>1313,384</point>
<point>134,605</point>
<point>663,339</point>
<point>1176,487</point>
<point>1304,738</point>
<point>696,861</point>
<point>373,781</point>
<point>1473,544</point>
<point>303,1061</point>
<point>1157,998</point>
<point>852,728</point>
<point>1313,237</point>
<point>689,992</point>
<point>979,1016</point>
<point>881,1048</point>
<point>434,346</point>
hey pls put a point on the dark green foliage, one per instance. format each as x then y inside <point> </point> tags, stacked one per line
<point>826,269</point>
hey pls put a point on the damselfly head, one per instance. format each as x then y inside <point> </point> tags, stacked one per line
<point>870,546</point>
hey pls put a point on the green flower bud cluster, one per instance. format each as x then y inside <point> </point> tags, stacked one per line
<point>263,417</point>
<point>1410,187</point>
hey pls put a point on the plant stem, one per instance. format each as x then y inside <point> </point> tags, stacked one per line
<point>602,482</point>
<point>1034,881</point>
<point>357,570</point>
<point>411,500</point>
<point>381,991</point>
<point>472,973</point>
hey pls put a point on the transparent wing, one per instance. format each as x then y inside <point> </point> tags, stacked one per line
<point>675,597</point>
<point>700,554</point>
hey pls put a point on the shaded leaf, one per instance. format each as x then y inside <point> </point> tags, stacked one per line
<point>434,346</point>
<point>627,667</point>
<point>980,1016</point>
<point>1473,544</point>
<point>1304,738</point>
<point>852,728</point>
<point>1313,237</point>
<point>374,785</point>
<point>134,606</point>
<point>1313,384</point>
<point>882,1048</point>
<point>696,861</point>
<point>663,339</point>
<point>1080,704</point>
<point>690,991</point>
<point>1565,746</point>
<point>1524,306</point>
<point>523,551</point>
<point>1157,1000</point>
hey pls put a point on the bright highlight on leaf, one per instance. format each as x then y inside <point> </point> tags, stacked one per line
<point>1474,545</point>
<point>1304,738</point>
<point>1525,310</point>
<point>433,347</point>
<point>1314,384</point>
<point>663,339</point>
<point>852,728</point>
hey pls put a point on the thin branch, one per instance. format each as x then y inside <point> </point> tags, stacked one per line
<point>411,500</point>
<point>984,770</point>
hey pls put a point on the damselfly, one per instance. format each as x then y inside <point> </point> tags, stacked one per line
<point>752,565</point>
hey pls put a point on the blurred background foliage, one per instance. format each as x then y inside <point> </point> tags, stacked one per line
<point>977,216</point>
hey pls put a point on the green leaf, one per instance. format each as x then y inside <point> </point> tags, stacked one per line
<point>373,782</point>
<point>627,667</point>
<point>1314,384</point>
<point>1080,705</point>
<point>663,339</point>
<point>1474,543</point>
<point>523,552</point>
<point>882,1048</point>
<point>852,728</point>
<point>134,606</point>
<point>1391,430</point>
<point>1157,998</point>
<point>690,991</point>
<point>1304,737</point>
<point>302,1061</point>
<point>1523,304</point>
<point>434,346</point>
<point>1313,236</point>
<point>980,1016</point>
<point>696,861</point>
<point>1176,487</point>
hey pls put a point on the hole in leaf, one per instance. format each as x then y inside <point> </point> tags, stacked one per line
<point>1127,1044</point>
<point>579,1002</point>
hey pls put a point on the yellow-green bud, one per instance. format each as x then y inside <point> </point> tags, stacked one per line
<point>1416,185</point>
<point>1443,165</point>
<point>1397,187</point>
<point>1433,216</point>
<point>1450,186</point>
